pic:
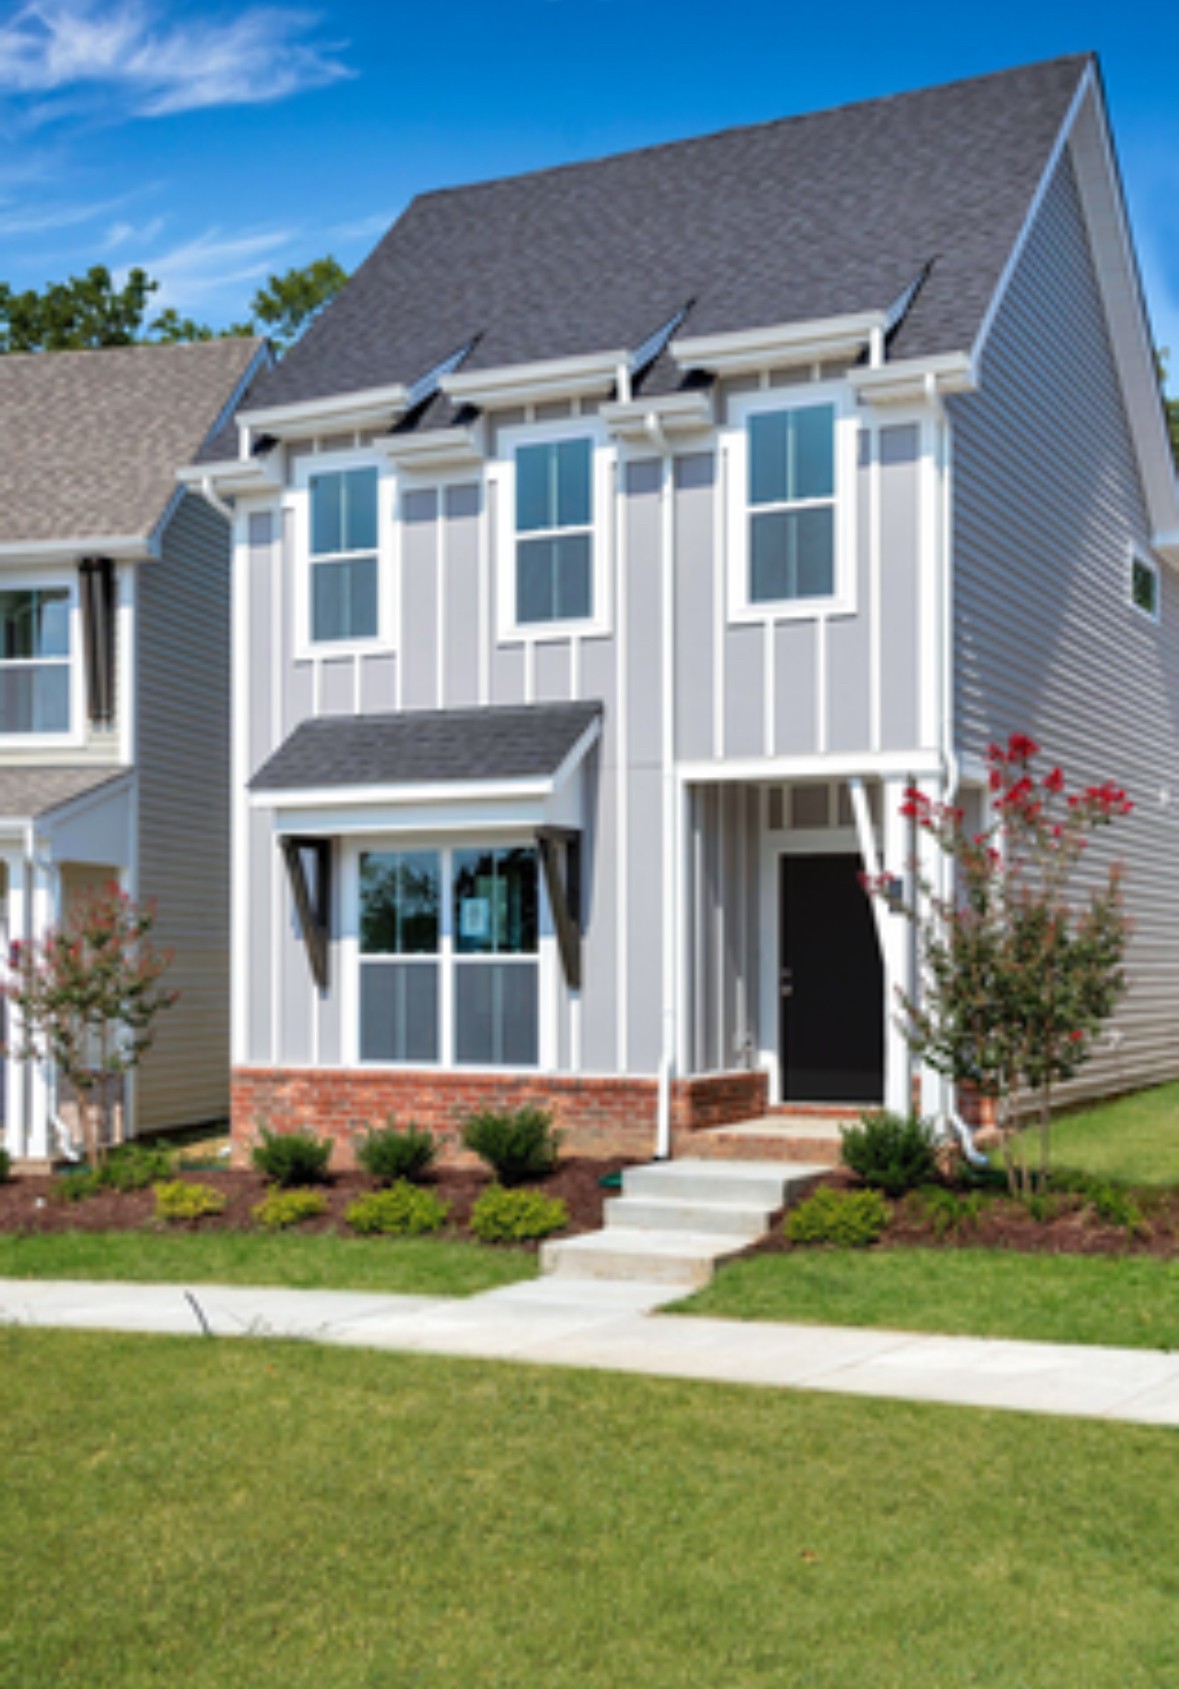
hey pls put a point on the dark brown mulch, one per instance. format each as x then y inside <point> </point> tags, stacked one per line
<point>39,1204</point>
<point>1073,1227</point>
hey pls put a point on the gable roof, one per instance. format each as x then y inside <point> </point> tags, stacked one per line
<point>493,742</point>
<point>810,217</point>
<point>90,442</point>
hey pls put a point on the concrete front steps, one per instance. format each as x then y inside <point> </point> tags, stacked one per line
<point>676,1219</point>
<point>789,1136</point>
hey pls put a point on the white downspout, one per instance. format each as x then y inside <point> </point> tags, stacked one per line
<point>669,807</point>
<point>211,496</point>
<point>950,762</point>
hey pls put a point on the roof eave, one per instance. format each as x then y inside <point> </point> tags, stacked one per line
<point>372,407</point>
<point>586,376</point>
<point>779,345</point>
<point>120,548</point>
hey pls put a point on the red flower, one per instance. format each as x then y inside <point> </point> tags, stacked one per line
<point>1054,782</point>
<point>1020,747</point>
<point>1075,1037</point>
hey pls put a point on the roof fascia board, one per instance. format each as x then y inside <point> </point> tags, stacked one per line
<point>369,407</point>
<point>780,344</point>
<point>120,548</point>
<point>263,359</point>
<point>70,809</point>
<point>912,380</point>
<point>517,384</point>
<point>232,475</point>
<point>576,753</point>
<point>433,792</point>
<point>1119,279</point>
<point>676,413</point>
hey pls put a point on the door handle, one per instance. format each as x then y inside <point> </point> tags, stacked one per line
<point>786,982</point>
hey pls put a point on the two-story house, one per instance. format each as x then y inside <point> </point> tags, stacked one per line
<point>114,692</point>
<point>615,550</point>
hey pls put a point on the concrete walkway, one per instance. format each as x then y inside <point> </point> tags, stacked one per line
<point>614,1327</point>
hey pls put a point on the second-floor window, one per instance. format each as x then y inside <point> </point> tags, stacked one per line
<point>554,531</point>
<point>35,660</point>
<point>344,577</point>
<point>792,504</point>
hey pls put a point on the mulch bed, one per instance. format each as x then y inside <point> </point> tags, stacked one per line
<point>38,1204</point>
<point>1072,1227</point>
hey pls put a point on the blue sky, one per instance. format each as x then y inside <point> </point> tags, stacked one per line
<point>215,144</point>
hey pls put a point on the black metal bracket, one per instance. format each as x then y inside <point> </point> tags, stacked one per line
<point>555,843</point>
<point>314,907</point>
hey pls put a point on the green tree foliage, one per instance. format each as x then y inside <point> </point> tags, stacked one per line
<point>1020,968</point>
<point>89,310</point>
<point>1170,405</point>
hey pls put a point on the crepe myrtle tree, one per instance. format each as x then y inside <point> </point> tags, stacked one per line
<point>88,997</point>
<point>1020,966</point>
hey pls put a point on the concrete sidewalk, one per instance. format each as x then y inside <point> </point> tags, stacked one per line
<point>615,1327</point>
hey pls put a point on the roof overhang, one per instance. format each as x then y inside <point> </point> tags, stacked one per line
<point>587,376</point>
<point>674,415</point>
<point>913,380</point>
<point>780,344</point>
<point>121,548</point>
<point>436,450</point>
<point>233,477</point>
<point>372,407</point>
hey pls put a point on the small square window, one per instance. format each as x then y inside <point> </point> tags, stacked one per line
<point>1144,586</point>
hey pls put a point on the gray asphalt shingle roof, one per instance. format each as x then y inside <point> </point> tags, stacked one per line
<point>90,442</point>
<point>498,742</point>
<point>808,217</point>
<point>29,792</point>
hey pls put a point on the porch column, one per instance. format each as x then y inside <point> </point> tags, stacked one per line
<point>936,870</point>
<point>899,953</point>
<point>42,886</point>
<point>15,1070</point>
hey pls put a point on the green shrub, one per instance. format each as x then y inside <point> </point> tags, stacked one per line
<point>850,1219</point>
<point>948,1212</point>
<point>5,1167</point>
<point>293,1158</point>
<point>1112,1202</point>
<point>396,1153</point>
<point>75,1185</point>
<point>133,1167</point>
<point>279,1209</point>
<point>517,1145</point>
<point>404,1210</point>
<point>513,1216</point>
<point>176,1201</point>
<point>893,1153</point>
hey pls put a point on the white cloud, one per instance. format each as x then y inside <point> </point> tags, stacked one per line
<point>122,234</point>
<point>261,54</point>
<point>208,270</point>
<point>52,217</point>
<point>364,228</point>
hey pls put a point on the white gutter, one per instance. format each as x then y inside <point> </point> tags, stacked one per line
<point>211,496</point>
<point>669,806</point>
<point>120,548</point>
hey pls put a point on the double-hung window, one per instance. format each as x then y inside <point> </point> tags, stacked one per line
<point>792,504</point>
<point>554,531</point>
<point>450,957</point>
<point>35,665</point>
<point>344,582</point>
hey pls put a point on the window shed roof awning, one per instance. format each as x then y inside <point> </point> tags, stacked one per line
<point>506,763</point>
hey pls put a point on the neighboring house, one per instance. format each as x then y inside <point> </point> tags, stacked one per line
<point>613,552</point>
<point>114,690</point>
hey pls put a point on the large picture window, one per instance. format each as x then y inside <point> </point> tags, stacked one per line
<point>344,579</point>
<point>554,531</point>
<point>35,660</point>
<point>449,956</point>
<point>792,504</point>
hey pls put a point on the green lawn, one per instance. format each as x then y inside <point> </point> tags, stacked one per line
<point>302,1261</point>
<point>284,1515</point>
<point>1129,1302</point>
<point>1135,1138</point>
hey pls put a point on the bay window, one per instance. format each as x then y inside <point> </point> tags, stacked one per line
<point>35,661</point>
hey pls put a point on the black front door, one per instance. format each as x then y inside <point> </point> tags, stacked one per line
<point>832,984</point>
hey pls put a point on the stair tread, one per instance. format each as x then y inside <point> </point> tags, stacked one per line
<point>650,1243</point>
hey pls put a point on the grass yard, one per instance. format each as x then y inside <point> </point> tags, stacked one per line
<point>1128,1301</point>
<point>299,1261</point>
<point>1134,1138</point>
<point>206,1513</point>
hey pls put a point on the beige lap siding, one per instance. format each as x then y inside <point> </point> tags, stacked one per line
<point>602,1117</point>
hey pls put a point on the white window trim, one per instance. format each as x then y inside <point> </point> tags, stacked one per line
<point>75,734</point>
<point>547,960</point>
<point>735,440</point>
<point>1137,554</point>
<point>298,502</point>
<point>502,475</point>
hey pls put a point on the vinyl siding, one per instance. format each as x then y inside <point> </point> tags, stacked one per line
<point>1047,504</point>
<point>183,809</point>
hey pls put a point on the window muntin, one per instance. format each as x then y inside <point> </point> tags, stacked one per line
<point>791,491</point>
<point>400,967</point>
<point>35,660</point>
<point>458,928</point>
<point>1144,586</point>
<point>554,531</point>
<point>343,547</point>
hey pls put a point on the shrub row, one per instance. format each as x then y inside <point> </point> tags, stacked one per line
<point>517,1144</point>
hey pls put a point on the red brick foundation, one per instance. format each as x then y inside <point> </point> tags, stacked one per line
<point>599,1116</point>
